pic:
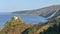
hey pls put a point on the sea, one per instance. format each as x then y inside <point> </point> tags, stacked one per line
<point>4,17</point>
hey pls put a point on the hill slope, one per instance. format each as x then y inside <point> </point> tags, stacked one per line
<point>51,27</point>
<point>14,26</point>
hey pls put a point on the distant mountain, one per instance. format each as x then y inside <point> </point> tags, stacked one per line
<point>50,12</point>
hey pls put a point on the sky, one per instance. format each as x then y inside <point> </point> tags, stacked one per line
<point>18,5</point>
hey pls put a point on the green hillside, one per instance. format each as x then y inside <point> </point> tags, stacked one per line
<point>17,26</point>
<point>50,27</point>
<point>14,26</point>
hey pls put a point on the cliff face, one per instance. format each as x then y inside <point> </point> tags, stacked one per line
<point>47,12</point>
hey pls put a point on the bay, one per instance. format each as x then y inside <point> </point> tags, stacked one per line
<point>4,17</point>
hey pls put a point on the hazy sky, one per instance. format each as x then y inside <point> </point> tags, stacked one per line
<point>17,5</point>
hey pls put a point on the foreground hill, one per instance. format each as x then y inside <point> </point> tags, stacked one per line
<point>50,12</point>
<point>14,26</point>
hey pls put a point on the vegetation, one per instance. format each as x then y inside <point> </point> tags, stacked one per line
<point>55,29</point>
<point>14,27</point>
<point>31,30</point>
<point>18,27</point>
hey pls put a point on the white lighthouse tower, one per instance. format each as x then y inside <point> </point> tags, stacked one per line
<point>17,17</point>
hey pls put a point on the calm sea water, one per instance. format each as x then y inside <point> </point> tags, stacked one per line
<point>4,17</point>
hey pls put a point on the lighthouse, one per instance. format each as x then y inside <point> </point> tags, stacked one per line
<point>17,17</point>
